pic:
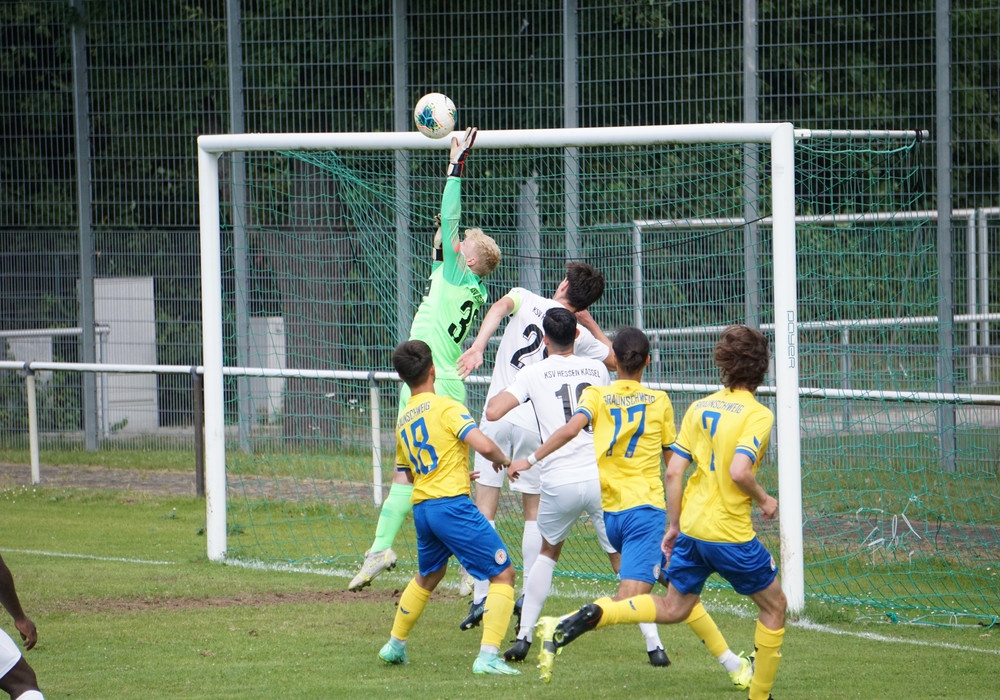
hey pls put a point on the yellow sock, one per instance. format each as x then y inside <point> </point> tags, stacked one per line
<point>704,627</point>
<point>496,616</point>
<point>765,667</point>
<point>640,608</point>
<point>411,605</point>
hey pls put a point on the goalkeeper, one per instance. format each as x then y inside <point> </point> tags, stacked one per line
<point>443,319</point>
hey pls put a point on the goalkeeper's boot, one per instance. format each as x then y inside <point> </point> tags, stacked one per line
<point>742,676</point>
<point>519,650</point>
<point>658,657</point>
<point>393,653</point>
<point>466,582</point>
<point>518,604</point>
<point>572,626</point>
<point>545,630</point>
<point>493,665</point>
<point>475,616</point>
<point>375,564</point>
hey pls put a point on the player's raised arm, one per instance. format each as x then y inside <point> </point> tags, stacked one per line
<point>472,359</point>
<point>585,319</point>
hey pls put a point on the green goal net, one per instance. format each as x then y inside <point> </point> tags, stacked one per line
<point>325,255</point>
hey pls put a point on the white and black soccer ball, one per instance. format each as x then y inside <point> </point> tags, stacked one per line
<point>435,115</point>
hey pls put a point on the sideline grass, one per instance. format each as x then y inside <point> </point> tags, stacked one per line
<point>116,622</point>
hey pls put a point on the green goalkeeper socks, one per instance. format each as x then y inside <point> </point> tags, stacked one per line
<point>394,511</point>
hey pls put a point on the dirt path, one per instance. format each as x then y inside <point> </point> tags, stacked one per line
<point>161,482</point>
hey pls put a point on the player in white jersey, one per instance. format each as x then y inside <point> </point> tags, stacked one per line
<point>517,432</point>
<point>569,478</point>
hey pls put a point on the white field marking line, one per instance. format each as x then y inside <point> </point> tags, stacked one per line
<point>583,590</point>
<point>812,626</point>
<point>93,557</point>
<point>871,636</point>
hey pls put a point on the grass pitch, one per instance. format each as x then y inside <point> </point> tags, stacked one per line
<point>128,606</point>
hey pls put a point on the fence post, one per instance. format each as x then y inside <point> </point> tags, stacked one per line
<point>198,400</point>
<point>376,423</point>
<point>29,386</point>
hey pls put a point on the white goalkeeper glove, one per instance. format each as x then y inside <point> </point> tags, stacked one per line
<point>460,150</point>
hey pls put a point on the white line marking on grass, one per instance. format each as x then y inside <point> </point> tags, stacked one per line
<point>90,556</point>
<point>258,565</point>
<point>751,612</point>
<point>806,624</point>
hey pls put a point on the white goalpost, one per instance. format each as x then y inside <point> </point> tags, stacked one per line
<point>780,137</point>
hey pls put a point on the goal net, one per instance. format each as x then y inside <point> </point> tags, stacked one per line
<point>316,250</point>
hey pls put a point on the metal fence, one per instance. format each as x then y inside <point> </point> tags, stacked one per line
<point>102,101</point>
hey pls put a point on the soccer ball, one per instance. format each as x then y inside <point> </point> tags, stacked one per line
<point>434,115</point>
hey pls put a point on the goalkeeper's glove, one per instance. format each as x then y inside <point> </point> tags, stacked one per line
<point>460,150</point>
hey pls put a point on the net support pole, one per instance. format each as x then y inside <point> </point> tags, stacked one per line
<point>376,425</point>
<point>211,320</point>
<point>786,367</point>
<point>29,388</point>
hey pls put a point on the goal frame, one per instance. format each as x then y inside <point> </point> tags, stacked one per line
<point>779,136</point>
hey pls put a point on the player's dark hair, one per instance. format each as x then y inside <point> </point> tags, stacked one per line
<point>412,360</point>
<point>631,348</point>
<point>742,357</point>
<point>586,285</point>
<point>560,327</point>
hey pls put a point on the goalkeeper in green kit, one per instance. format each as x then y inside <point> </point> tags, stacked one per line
<point>443,319</point>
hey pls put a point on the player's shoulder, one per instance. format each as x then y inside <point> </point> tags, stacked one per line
<point>526,301</point>
<point>591,366</point>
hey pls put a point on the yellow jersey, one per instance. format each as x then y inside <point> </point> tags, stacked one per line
<point>714,430</point>
<point>632,426</point>
<point>430,444</point>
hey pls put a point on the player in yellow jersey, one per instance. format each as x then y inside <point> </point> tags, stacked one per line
<point>633,427</point>
<point>710,529</point>
<point>433,437</point>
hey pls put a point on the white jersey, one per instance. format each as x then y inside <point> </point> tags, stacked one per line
<point>521,346</point>
<point>553,387</point>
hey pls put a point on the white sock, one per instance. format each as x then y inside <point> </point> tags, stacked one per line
<point>651,634</point>
<point>536,590</point>
<point>480,589</point>
<point>531,545</point>
<point>730,661</point>
<point>30,695</point>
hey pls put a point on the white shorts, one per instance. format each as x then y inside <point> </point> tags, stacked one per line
<point>561,506</point>
<point>518,443</point>
<point>10,653</point>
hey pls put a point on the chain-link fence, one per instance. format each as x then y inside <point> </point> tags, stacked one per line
<point>102,102</point>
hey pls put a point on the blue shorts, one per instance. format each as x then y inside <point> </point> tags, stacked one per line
<point>747,566</point>
<point>447,526</point>
<point>638,533</point>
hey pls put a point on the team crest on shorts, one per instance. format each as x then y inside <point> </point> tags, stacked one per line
<point>656,572</point>
<point>773,565</point>
<point>500,557</point>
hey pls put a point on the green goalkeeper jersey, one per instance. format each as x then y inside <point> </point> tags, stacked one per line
<point>454,295</point>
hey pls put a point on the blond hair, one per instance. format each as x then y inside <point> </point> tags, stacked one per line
<point>487,251</point>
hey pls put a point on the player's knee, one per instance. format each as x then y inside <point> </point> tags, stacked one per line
<point>505,577</point>
<point>20,680</point>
